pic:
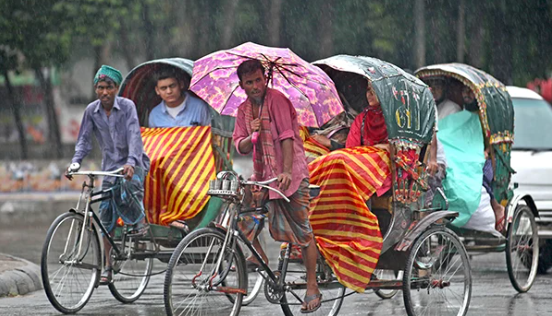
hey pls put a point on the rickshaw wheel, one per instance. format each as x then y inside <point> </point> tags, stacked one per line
<point>190,284</point>
<point>522,249</point>
<point>387,275</point>
<point>70,275</point>
<point>431,287</point>
<point>130,275</point>
<point>295,277</point>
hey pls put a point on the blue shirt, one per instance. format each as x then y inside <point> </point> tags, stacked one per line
<point>194,113</point>
<point>488,175</point>
<point>118,135</point>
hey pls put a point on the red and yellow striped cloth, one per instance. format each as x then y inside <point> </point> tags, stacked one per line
<point>313,149</point>
<point>182,163</point>
<point>347,232</point>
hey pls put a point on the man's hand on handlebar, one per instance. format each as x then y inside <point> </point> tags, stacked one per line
<point>128,171</point>
<point>73,167</point>
<point>284,180</point>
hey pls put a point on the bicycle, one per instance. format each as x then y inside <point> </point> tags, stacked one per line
<point>206,273</point>
<point>71,261</point>
<point>255,280</point>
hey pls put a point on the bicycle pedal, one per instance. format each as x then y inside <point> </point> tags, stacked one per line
<point>230,290</point>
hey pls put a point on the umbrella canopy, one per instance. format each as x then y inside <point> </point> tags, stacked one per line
<point>309,89</point>
<point>406,101</point>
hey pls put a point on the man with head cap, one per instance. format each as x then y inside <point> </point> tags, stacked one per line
<point>113,121</point>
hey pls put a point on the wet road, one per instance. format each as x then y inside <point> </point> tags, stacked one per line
<point>492,291</point>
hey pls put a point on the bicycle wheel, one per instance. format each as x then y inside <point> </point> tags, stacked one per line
<point>255,281</point>
<point>194,285</point>
<point>387,275</point>
<point>296,277</point>
<point>131,270</point>
<point>522,249</point>
<point>71,263</point>
<point>431,287</point>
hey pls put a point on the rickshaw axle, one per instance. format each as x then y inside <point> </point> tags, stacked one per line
<point>440,284</point>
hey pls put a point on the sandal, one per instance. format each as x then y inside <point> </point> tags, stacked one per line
<point>107,276</point>
<point>500,223</point>
<point>309,299</point>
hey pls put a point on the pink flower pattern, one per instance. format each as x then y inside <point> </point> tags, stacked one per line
<point>310,90</point>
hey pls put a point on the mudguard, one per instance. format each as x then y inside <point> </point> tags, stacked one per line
<point>419,226</point>
<point>518,197</point>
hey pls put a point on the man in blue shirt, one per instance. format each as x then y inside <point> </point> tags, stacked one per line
<point>179,107</point>
<point>114,122</point>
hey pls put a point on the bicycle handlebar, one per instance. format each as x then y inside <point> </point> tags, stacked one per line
<point>114,173</point>
<point>264,184</point>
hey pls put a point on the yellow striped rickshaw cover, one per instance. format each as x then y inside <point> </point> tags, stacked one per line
<point>346,231</point>
<point>182,163</point>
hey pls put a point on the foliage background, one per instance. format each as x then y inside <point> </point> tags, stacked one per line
<point>510,39</point>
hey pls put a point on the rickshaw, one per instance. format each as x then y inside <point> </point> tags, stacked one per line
<point>436,276</point>
<point>520,239</point>
<point>183,160</point>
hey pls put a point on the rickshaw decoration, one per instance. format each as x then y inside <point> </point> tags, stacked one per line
<point>409,112</point>
<point>496,113</point>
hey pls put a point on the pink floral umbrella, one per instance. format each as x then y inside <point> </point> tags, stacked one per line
<point>310,90</point>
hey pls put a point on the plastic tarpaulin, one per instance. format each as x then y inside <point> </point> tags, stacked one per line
<point>346,231</point>
<point>462,138</point>
<point>182,163</point>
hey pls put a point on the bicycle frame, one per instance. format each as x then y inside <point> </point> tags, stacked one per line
<point>90,217</point>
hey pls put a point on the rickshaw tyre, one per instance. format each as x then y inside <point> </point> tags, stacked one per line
<point>534,262</point>
<point>44,264</point>
<point>220,234</point>
<point>336,303</point>
<point>143,284</point>
<point>410,262</point>
<point>388,294</point>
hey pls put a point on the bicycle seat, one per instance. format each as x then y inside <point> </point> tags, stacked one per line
<point>314,190</point>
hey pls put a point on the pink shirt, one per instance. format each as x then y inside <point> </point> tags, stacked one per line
<point>283,125</point>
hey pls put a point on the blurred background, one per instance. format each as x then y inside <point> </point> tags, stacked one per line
<point>50,49</point>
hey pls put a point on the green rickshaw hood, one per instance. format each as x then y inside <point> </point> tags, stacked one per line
<point>495,105</point>
<point>406,101</point>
